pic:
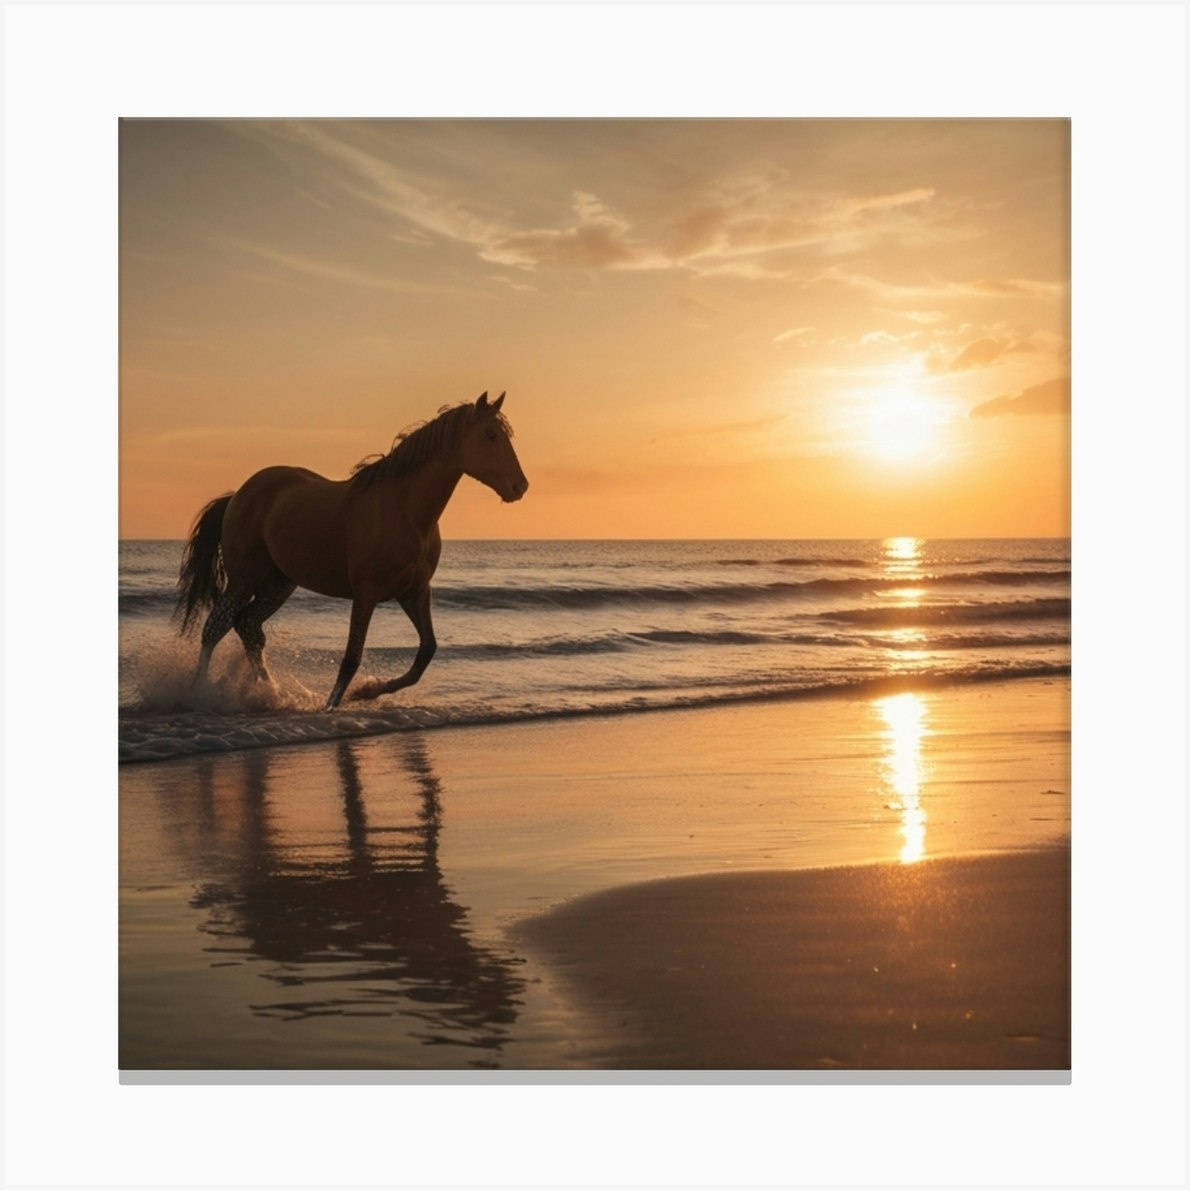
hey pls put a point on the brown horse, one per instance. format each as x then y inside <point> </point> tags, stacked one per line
<point>368,538</point>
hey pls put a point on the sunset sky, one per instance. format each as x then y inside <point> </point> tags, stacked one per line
<point>747,328</point>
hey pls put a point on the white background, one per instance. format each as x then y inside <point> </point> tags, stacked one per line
<point>1117,71</point>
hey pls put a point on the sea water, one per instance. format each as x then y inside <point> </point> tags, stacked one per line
<point>533,629</point>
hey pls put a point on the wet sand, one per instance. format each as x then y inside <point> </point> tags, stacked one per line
<point>957,964</point>
<point>361,904</point>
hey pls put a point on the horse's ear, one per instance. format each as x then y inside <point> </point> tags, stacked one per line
<point>482,403</point>
<point>498,402</point>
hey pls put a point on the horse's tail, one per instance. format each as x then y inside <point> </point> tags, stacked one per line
<point>202,577</point>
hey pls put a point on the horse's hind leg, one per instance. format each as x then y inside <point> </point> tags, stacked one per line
<point>270,595</point>
<point>218,624</point>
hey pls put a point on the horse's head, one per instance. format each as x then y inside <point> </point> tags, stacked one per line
<point>486,451</point>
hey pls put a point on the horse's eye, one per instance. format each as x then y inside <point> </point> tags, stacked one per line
<point>491,435</point>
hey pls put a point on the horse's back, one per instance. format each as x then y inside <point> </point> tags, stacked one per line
<point>289,518</point>
<point>260,496</point>
<point>275,478</point>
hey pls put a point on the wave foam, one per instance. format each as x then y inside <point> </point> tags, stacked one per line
<point>166,684</point>
<point>162,735</point>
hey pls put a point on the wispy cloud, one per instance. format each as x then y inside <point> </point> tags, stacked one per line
<point>593,236</point>
<point>1049,397</point>
<point>377,181</point>
<point>512,283</point>
<point>328,270</point>
<point>979,353</point>
<point>597,238</point>
<point>921,317</point>
<point>763,225</point>
<point>747,221</point>
<point>935,290</point>
<point>745,227</point>
<point>1012,287</point>
<point>887,338</point>
<point>986,350</point>
<point>794,334</point>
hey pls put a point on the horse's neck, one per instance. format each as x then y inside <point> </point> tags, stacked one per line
<point>424,494</point>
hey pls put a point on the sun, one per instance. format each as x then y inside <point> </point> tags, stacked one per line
<point>903,427</point>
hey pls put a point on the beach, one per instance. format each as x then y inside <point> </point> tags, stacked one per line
<point>690,889</point>
<point>940,965</point>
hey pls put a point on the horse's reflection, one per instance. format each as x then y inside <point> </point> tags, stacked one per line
<point>362,929</point>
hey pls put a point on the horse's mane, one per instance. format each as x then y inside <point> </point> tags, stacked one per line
<point>417,445</point>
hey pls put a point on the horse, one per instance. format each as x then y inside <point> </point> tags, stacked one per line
<point>368,538</point>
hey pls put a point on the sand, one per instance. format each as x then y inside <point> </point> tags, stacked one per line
<point>705,889</point>
<point>943,965</point>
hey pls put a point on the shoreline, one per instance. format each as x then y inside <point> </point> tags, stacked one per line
<point>373,720</point>
<point>947,964</point>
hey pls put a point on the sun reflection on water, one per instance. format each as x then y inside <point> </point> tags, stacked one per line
<point>901,562</point>
<point>904,716</point>
<point>901,550</point>
<point>905,596</point>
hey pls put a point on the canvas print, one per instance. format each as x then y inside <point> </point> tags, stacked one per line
<point>594,595</point>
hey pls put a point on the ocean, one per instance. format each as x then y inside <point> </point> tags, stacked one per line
<point>530,630</point>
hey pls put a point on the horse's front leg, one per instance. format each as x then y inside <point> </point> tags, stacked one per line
<point>417,608</point>
<point>361,615</point>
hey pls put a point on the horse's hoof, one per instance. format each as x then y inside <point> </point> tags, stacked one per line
<point>366,691</point>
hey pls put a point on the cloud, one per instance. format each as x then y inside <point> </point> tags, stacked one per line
<point>389,187</point>
<point>797,332</point>
<point>1049,397</point>
<point>1013,287</point>
<point>752,226</point>
<point>518,286</point>
<point>696,231</point>
<point>923,317</point>
<point>937,290</point>
<point>747,220</point>
<point>849,208</point>
<point>886,338</point>
<point>327,270</point>
<point>740,229</point>
<point>978,354</point>
<point>985,351</point>
<point>744,235</point>
<point>599,238</point>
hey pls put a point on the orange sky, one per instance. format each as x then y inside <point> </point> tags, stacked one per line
<point>769,328</point>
